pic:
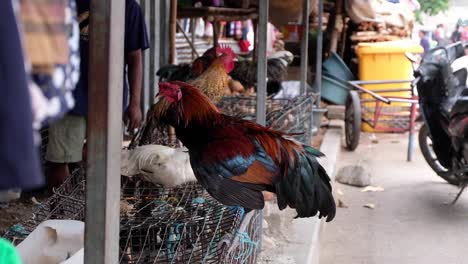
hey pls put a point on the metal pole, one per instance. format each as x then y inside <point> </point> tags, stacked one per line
<point>262,61</point>
<point>318,65</point>
<point>104,131</point>
<point>145,90</point>
<point>154,30</point>
<point>304,45</point>
<point>161,38</point>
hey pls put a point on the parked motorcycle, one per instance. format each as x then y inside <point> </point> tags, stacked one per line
<point>443,101</point>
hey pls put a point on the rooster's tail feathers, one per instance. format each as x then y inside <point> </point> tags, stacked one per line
<point>307,188</point>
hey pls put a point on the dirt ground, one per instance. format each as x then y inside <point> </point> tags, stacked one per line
<point>15,212</point>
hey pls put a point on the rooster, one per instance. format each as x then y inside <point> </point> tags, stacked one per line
<point>211,71</point>
<point>185,72</point>
<point>235,160</point>
<point>245,71</point>
<point>214,81</point>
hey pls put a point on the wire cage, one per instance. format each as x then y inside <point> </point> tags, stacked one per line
<point>183,224</point>
<point>292,116</point>
<point>160,225</point>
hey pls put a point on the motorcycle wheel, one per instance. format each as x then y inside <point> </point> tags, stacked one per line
<point>425,144</point>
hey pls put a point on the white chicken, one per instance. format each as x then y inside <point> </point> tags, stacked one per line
<point>158,164</point>
<point>52,242</point>
<point>77,258</point>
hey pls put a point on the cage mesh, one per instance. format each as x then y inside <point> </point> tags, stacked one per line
<point>287,115</point>
<point>390,117</point>
<point>160,225</point>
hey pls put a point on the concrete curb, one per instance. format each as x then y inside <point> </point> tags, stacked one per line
<point>331,146</point>
<point>298,241</point>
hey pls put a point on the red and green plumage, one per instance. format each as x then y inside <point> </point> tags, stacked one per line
<point>235,160</point>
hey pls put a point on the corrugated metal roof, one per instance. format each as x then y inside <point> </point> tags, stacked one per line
<point>184,52</point>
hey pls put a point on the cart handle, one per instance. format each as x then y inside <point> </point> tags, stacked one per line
<point>373,94</point>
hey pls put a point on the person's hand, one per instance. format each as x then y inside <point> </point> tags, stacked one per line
<point>133,117</point>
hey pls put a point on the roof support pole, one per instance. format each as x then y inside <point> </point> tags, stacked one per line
<point>318,67</point>
<point>262,61</point>
<point>304,45</point>
<point>104,131</point>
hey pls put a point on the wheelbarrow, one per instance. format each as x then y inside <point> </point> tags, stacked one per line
<point>373,110</point>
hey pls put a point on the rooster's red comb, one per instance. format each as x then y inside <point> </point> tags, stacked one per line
<point>225,49</point>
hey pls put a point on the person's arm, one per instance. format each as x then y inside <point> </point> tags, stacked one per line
<point>135,76</point>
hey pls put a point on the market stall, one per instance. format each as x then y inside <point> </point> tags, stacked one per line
<point>157,224</point>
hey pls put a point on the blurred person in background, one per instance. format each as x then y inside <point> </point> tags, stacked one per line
<point>424,41</point>
<point>456,34</point>
<point>439,35</point>
<point>66,137</point>
<point>19,158</point>
<point>464,34</point>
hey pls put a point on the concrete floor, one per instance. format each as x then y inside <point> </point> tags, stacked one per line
<point>411,222</point>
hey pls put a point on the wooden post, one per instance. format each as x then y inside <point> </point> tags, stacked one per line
<point>216,31</point>
<point>338,21</point>
<point>192,29</point>
<point>173,30</point>
<point>106,59</point>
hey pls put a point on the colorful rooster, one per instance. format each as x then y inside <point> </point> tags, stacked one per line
<point>211,72</point>
<point>235,160</point>
<point>186,72</point>
<point>214,81</point>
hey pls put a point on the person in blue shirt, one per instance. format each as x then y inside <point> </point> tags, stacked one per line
<point>66,137</point>
<point>19,159</point>
<point>424,42</point>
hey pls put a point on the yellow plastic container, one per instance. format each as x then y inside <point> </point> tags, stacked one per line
<point>384,61</point>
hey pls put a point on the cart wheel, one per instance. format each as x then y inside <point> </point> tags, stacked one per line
<point>352,120</point>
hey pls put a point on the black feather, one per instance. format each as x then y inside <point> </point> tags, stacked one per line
<point>171,72</point>
<point>307,188</point>
<point>234,193</point>
<point>246,73</point>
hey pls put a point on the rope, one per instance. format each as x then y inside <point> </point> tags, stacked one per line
<point>234,209</point>
<point>198,200</point>
<point>19,229</point>
<point>247,246</point>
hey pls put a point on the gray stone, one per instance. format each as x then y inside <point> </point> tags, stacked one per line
<point>354,175</point>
